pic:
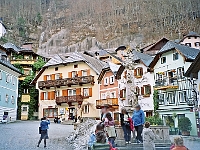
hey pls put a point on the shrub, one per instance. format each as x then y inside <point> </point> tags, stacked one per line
<point>154,120</point>
<point>184,124</point>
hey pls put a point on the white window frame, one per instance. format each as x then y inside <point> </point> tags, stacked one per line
<point>86,90</point>
<point>174,56</point>
<point>86,109</point>
<point>45,95</point>
<point>172,96</point>
<point>23,108</point>
<point>163,97</point>
<point>162,58</point>
<point>113,94</point>
<point>13,80</point>
<point>57,76</point>
<point>7,78</point>
<point>48,77</point>
<point>182,95</point>
<point>145,89</point>
<point>197,44</point>
<point>103,95</point>
<point>12,99</point>
<point>57,93</point>
<point>112,77</point>
<point>7,98</point>
<point>106,80</point>
<point>71,92</point>
<point>180,72</point>
<point>74,74</point>
<point>1,75</point>
<point>84,73</point>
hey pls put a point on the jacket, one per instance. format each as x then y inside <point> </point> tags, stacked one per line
<point>179,148</point>
<point>138,117</point>
<point>122,119</point>
<point>44,124</point>
<point>131,124</point>
<point>92,140</point>
<point>148,139</point>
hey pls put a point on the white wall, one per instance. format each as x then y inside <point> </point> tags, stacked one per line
<point>2,30</point>
<point>191,40</point>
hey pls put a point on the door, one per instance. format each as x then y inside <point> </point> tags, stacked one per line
<point>71,113</point>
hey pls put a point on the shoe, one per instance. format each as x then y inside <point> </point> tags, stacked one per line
<point>129,142</point>
<point>126,142</point>
<point>37,145</point>
<point>140,142</point>
<point>45,146</point>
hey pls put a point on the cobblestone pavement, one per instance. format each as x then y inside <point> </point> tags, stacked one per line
<point>23,135</point>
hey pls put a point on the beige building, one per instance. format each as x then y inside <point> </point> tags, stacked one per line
<point>68,86</point>
<point>192,39</point>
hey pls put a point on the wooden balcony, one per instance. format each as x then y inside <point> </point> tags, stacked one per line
<point>111,102</point>
<point>166,83</point>
<point>66,82</point>
<point>69,99</point>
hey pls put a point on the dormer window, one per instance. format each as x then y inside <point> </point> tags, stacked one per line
<point>175,56</point>
<point>163,60</point>
<point>188,44</point>
<point>197,44</point>
<point>138,72</point>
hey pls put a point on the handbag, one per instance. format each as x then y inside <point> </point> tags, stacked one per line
<point>126,123</point>
<point>39,130</point>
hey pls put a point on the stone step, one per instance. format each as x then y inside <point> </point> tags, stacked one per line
<point>156,144</point>
<point>141,148</point>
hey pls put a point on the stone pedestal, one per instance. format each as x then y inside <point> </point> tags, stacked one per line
<point>162,134</point>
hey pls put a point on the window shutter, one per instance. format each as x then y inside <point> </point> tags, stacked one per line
<point>60,75</point>
<point>52,95</point>
<point>53,77</point>
<point>149,86</point>
<point>45,77</point>
<point>135,72</point>
<point>69,74</point>
<point>80,73</point>
<point>78,91</point>
<point>125,74</point>
<point>64,92</point>
<point>49,96</point>
<point>141,71</point>
<point>88,72</point>
<point>90,92</point>
<point>121,93</point>
<point>42,96</point>
<point>142,90</point>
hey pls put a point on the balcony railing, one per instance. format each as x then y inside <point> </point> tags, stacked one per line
<point>170,82</point>
<point>69,99</point>
<point>111,102</point>
<point>66,82</point>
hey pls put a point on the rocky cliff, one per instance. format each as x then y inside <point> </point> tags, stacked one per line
<point>68,25</point>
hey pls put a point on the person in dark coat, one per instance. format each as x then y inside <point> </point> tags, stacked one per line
<point>44,124</point>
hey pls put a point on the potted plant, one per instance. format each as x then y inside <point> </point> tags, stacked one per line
<point>185,125</point>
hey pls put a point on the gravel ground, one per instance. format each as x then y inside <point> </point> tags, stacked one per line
<point>23,135</point>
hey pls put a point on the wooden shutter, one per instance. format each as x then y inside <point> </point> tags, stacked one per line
<point>88,72</point>
<point>135,72</point>
<point>64,93</point>
<point>90,92</point>
<point>69,74</point>
<point>149,86</point>
<point>80,73</point>
<point>53,77</point>
<point>42,96</point>
<point>141,71</point>
<point>121,93</point>
<point>125,74</point>
<point>45,77</point>
<point>60,75</point>
<point>52,95</point>
<point>78,91</point>
<point>49,95</point>
<point>142,90</point>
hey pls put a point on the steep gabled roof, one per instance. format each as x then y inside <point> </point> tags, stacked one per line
<point>144,58</point>
<point>190,34</point>
<point>12,46</point>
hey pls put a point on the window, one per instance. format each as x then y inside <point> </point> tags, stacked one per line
<point>138,72</point>
<point>86,109</point>
<point>76,66</point>
<point>84,73</point>
<point>58,93</point>
<point>74,74</point>
<point>182,96</point>
<point>175,56</point>
<point>7,78</point>
<point>146,90</point>
<point>180,72</point>
<point>0,75</point>
<point>161,99</point>
<point>112,80</point>
<point>103,95</point>
<point>188,44</point>
<point>48,77</point>
<point>45,95</point>
<point>57,76</point>
<point>163,60</point>
<point>197,44</point>
<point>24,109</point>
<point>13,80</point>
<point>123,93</point>
<point>171,98</point>
<point>86,92</point>
<point>106,80</point>
<point>56,68</point>
<point>112,94</point>
<point>26,91</point>
<point>50,112</point>
<point>72,92</point>
<point>137,90</point>
<point>12,99</point>
<point>189,37</point>
<point>6,97</point>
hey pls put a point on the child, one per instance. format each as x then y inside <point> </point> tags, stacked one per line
<point>148,137</point>
<point>178,141</point>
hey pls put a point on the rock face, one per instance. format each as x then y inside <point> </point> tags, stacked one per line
<point>79,139</point>
<point>68,26</point>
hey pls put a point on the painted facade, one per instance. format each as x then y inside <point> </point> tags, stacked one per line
<point>9,87</point>
<point>2,29</point>
<point>175,90</point>
<point>191,40</point>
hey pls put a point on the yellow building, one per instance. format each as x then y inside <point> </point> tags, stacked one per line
<point>68,86</point>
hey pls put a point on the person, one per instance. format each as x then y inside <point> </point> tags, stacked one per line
<point>124,119</point>
<point>138,120</point>
<point>44,124</point>
<point>148,137</point>
<point>178,141</point>
<point>110,129</point>
<point>105,110</point>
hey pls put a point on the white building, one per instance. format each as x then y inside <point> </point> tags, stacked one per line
<point>2,29</point>
<point>192,40</point>
<point>175,90</point>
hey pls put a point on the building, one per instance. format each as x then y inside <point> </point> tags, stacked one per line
<point>109,93</point>
<point>68,86</point>
<point>9,87</point>
<point>175,90</point>
<point>192,39</point>
<point>23,57</point>
<point>2,29</point>
<point>153,48</point>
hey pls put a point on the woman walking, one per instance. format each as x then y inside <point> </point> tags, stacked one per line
<point>125,123</point>
<point>110,129</point>
<point>138,120</point>
<point>44,127</point>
